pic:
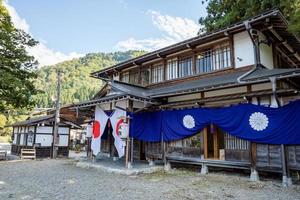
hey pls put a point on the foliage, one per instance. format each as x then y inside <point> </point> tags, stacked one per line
<point>17,68</point>
<point>221,13</point>
<point>12,117</point>
<point>77,85</point>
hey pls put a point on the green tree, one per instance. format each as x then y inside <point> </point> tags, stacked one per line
<point>17,68</point>
<point>221,13</point>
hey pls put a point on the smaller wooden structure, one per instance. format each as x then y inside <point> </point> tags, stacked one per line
<point>3,154</point>
<point>28,153</point>
<point>37,133</point>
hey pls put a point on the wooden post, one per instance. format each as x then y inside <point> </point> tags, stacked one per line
<point>216,143</point>
<point>284,166</point>
<point>129,142</point>
<point>57,117</point>
<point>205,143</point>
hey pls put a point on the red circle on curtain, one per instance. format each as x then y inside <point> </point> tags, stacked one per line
<point>118,125</point>
<point>96,129</point>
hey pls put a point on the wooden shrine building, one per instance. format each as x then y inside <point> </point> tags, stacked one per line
<point>254,61</point>
<point>37,133</point>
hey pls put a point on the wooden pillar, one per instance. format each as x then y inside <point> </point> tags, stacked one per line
<point>205,132</point>
<point>129,141</point>
<point>284,166</point>
<point>216,142</point>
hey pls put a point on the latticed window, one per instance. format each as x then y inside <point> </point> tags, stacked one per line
<point>157,73</point>
<point>125,77</point>
<point>172,69</point>
<point>185,67</point>
<point>213,59</point>
<point>232,142</point>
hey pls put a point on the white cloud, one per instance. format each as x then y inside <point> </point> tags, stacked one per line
<point>41,52</point>
<point>174,29</point>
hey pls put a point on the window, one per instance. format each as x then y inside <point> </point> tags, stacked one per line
<point>214,59</point>
<point>145,76</point>
<point>157,73</point>
<point>134,76</point>
<point>185,67</point>
<point>125,77</point>
<point>203,62</point>
<point>172,69</point>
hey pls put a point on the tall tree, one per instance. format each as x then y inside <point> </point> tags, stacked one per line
<point>17,67</point>
<point>221,13</point>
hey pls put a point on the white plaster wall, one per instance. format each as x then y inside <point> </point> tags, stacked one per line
<point>44,129</point>
<point>15,138</point>
<point>44,140</point>
<point>116,77</point>
<point>63,130</point>
<point>22,139</point>
<point>243,49</point>
<point>31,128</point>
<point>105,106</point>
<point>15,129</point>
<point>63,140</point>
<point>266,53</point>
<point>122,104</point>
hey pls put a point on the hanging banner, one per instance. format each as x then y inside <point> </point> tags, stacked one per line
<point>247,121</point>
<point>116,119</point>
<point>98,128</point>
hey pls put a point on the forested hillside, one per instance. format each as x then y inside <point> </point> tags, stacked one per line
<point>77,85</point>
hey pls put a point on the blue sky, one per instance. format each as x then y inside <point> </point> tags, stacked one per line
<point>71,28</point>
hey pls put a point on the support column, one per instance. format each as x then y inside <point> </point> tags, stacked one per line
<point>254,176</point>
<point>286,178</point>
<point>167,165</point>
<point>129,145</point>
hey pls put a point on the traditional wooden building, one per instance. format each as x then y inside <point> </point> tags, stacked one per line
<point>37,133</point>
<point>254,61</point>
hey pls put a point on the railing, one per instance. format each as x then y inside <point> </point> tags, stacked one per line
<point>213,60</point>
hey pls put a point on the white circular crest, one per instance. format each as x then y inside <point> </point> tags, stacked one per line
<point>258,121</point>
<point>188,121</point>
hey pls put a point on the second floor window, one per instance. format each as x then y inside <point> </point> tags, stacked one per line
<point>213,59</point>
<point>157,73</point>
<point>185,67</point>
<point>125,77</point>
<point>172,69</point>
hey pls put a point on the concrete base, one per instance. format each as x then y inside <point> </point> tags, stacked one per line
<point>151,162</point>
<point>115,158</point>
<point>289,181</point>
<point>167,166</point>
<point>112,168</point>
<point>254,175</point>
<point>204,169</point>
<point>284,181</point>
<point>129,166</point>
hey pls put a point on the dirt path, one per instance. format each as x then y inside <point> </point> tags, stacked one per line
<point>60,179</point>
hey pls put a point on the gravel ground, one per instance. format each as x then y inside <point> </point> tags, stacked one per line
<point>60,179</point>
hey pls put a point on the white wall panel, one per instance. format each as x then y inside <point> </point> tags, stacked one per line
<point>44,129</point>
<point>15,139</point>
<point>243,50</point>
<point>63,130</point>
<point>44,140</point>
<point>63,140</point>
<point>266,53</point>
<point>22,139</point>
